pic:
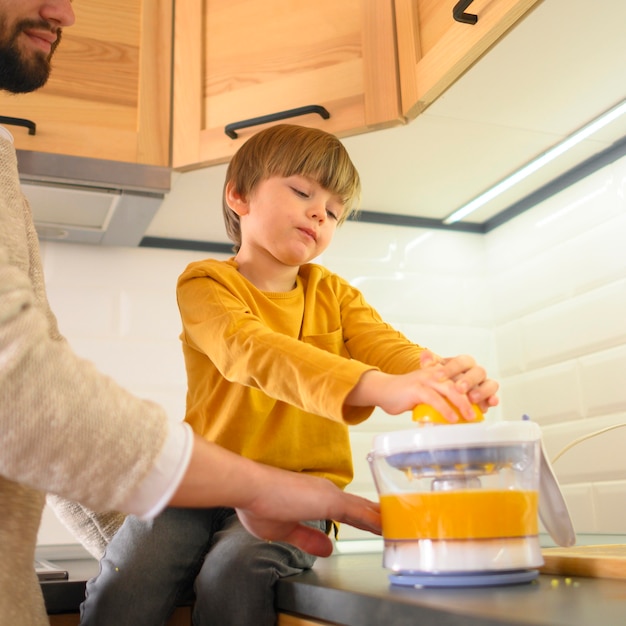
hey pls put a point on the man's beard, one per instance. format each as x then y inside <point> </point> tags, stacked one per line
<point>19,74</point>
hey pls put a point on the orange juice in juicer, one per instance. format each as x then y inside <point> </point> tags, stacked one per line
<point>460,502</point>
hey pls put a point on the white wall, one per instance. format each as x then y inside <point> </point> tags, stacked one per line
<point>558,283</point>
<point>540,302</point>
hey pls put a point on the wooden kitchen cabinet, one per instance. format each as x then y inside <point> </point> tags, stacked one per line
<point>285,619</point>
<point>109,92</point>
<point>180,617</point>
<point>434,50</point>
<point>241,59</point>
<point>370,63</point>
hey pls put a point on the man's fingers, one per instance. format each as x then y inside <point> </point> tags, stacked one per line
<point>310,540</point>
<point>362,514</point>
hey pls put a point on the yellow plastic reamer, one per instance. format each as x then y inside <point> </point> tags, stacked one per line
<point>426,414</point>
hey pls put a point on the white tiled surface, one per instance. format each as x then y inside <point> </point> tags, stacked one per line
<point>558,276</point>
<point>540,302</point>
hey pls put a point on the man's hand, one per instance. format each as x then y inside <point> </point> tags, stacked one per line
<point>276,516</point>
<point>271,502</point>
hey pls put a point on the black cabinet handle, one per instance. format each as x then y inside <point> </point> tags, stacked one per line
<point>19,121</point>
<point>459,14</point>
<point>231,129</point>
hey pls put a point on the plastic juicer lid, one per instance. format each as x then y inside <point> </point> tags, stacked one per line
<point>486,438</point>
<point>469,435</point>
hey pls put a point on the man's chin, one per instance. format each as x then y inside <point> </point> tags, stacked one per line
<point>24,67</point>
<point>19,76</point>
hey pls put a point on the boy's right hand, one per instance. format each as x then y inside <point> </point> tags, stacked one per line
<point>396,394</point>
<point>468,376</point>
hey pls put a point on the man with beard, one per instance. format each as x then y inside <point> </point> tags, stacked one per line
<point>21,72</point>
<point>68,430</point>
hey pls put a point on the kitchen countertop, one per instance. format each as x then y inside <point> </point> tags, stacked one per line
<point>353,590</point>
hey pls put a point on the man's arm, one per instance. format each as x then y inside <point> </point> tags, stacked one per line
<point>96,443</point>
<point>271,502</point>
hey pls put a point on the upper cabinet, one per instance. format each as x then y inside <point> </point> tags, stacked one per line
<point>109,92</point>
<point>434,49</point>
<point>358,65</point>
<point>236,60</point>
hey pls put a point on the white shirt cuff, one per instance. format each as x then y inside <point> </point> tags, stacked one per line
<point>6,134</point>
<point>158,487</point>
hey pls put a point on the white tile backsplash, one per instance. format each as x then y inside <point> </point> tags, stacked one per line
<point>565,216</point>
<point>609,505</point>
<point>602,381</point>
<point>509,348</point>
<point>583,324</point>
<point>547,395</point>
<point>560,335</point>
<point>581,507</point>
<point>540,302</point>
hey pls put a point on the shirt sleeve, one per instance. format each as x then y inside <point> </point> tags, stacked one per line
<point>66,428</point>
<point>369,338</point>
<point>219,322</point>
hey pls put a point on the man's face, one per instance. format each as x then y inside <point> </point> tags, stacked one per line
<point>30,31</point>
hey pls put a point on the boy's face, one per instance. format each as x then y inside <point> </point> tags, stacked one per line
<point>293,219</point>
<point>30,31</point>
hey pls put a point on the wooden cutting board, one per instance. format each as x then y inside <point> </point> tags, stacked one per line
<point>599,561</point>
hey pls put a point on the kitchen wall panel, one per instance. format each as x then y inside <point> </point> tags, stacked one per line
<point>558,277</point>
<point>540,301</point>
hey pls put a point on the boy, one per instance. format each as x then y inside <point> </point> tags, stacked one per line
<point>281,356</point>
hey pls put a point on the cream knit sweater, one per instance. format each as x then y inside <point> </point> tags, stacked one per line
<point>65,429</point>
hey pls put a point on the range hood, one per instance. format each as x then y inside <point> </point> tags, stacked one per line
<point>92,201</point>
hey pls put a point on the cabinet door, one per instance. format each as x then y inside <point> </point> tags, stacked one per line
<point>434,49</point>
<point>109,91</point>
<point>240,59</point>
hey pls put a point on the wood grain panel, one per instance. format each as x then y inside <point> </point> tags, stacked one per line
<point>111,20</point>
<point>95,70</point>
<point>285,619</point>
<point>154,123</point>
<point>180,617</point>
<point>598,561</point>
<point>256,58</point>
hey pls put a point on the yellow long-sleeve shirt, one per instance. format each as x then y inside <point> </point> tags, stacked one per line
<point>268,373</point>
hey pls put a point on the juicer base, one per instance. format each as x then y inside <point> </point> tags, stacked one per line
<point>450,557</point>
<point>470,579</point>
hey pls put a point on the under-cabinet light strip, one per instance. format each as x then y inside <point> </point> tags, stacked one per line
<point>542,160</point>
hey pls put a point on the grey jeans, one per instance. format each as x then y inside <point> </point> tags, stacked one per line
<point>149,566</point>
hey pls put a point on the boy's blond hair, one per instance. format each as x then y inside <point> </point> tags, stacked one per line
<point>287,150</point>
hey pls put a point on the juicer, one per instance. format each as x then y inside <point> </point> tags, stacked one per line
<point>460,503</point>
